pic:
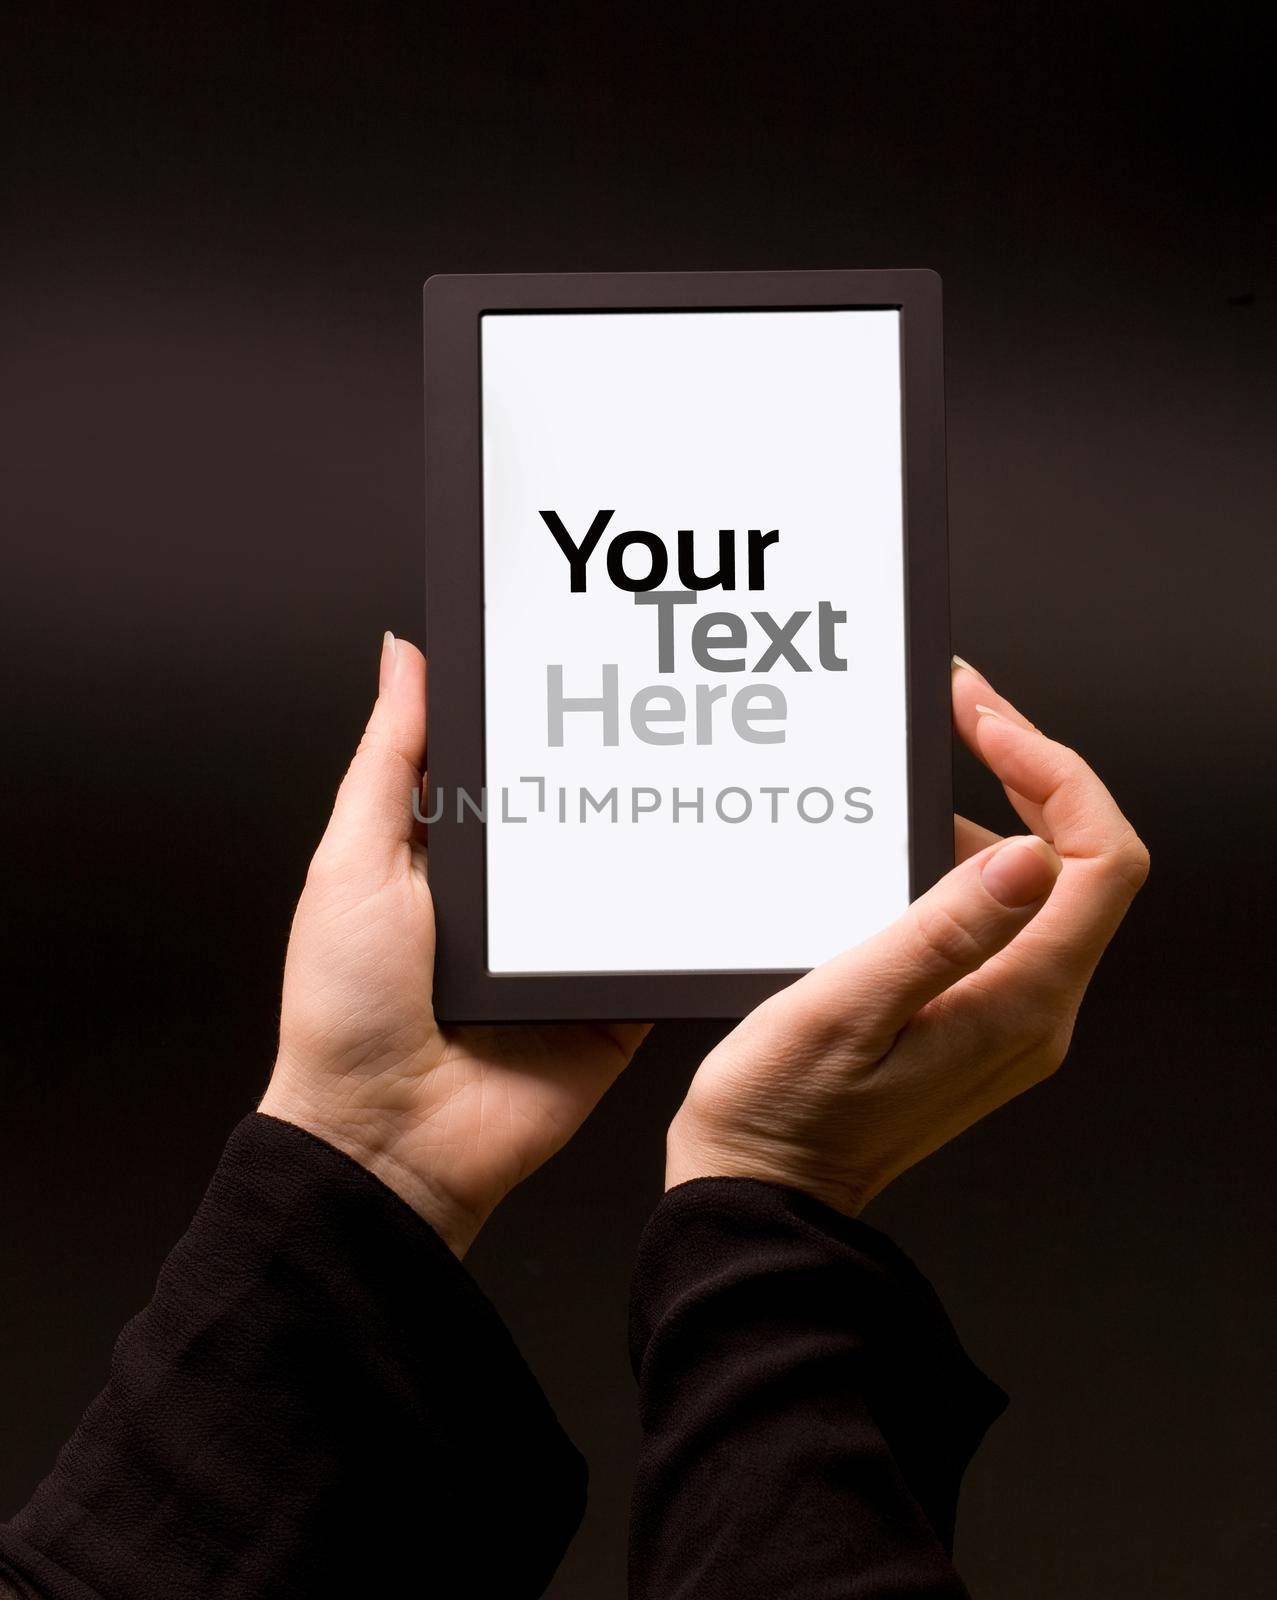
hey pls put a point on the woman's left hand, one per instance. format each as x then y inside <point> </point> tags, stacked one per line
<point>870,1062</point>
<point>450,1119</point>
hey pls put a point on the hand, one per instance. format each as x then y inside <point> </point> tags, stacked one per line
<point>869,1063</point>
<point>451,1120</point>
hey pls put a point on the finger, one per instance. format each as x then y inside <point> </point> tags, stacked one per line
<point>970,684</point>
<point>1058,794</point>
<point>969,838</point>
<point>1081,817</point>
<point>373,815</point>
<point>871,992</point>
<point>971,689</point>
<point>420,828</point>
<point>1043,778</point>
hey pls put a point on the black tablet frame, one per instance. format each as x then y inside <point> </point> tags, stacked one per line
<point>465,990</point>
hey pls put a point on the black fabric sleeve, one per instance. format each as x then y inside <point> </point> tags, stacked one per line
<point>807,1410</point>
<point>318,1401</point>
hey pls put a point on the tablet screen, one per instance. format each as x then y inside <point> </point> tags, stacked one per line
<point>694,638</point>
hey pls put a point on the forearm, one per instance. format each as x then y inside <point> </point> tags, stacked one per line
<point>317,1400</point>
<point>807,1410</point>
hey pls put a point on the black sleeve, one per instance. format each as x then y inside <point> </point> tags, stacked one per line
<point>318,1401</point>
<point>807,1410</point>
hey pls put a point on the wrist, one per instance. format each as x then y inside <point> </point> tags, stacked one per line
<point>694,1150</point>
<point>686,1155</point>
<point>379,1149</point>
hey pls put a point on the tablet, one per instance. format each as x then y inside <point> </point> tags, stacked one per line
<point>687,620</point>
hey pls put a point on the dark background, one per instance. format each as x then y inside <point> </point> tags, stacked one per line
<point>216,231</point>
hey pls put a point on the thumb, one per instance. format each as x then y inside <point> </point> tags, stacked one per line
<point>971,914</point>
<point>373,815</point>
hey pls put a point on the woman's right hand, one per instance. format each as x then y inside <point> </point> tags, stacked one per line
<point>870,1062</point>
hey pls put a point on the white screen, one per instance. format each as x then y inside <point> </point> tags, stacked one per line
<point>766,420</point>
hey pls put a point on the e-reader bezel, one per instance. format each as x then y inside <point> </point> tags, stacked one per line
<point>464,989</point>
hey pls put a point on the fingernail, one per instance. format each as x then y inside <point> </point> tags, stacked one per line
<point>389,655</point>
<point>956,663</point>
<point>1021,871</point>
<point>988,711</point>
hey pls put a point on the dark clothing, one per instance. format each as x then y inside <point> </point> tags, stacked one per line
<point>319,1401</point>
<point>807,1409</point>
